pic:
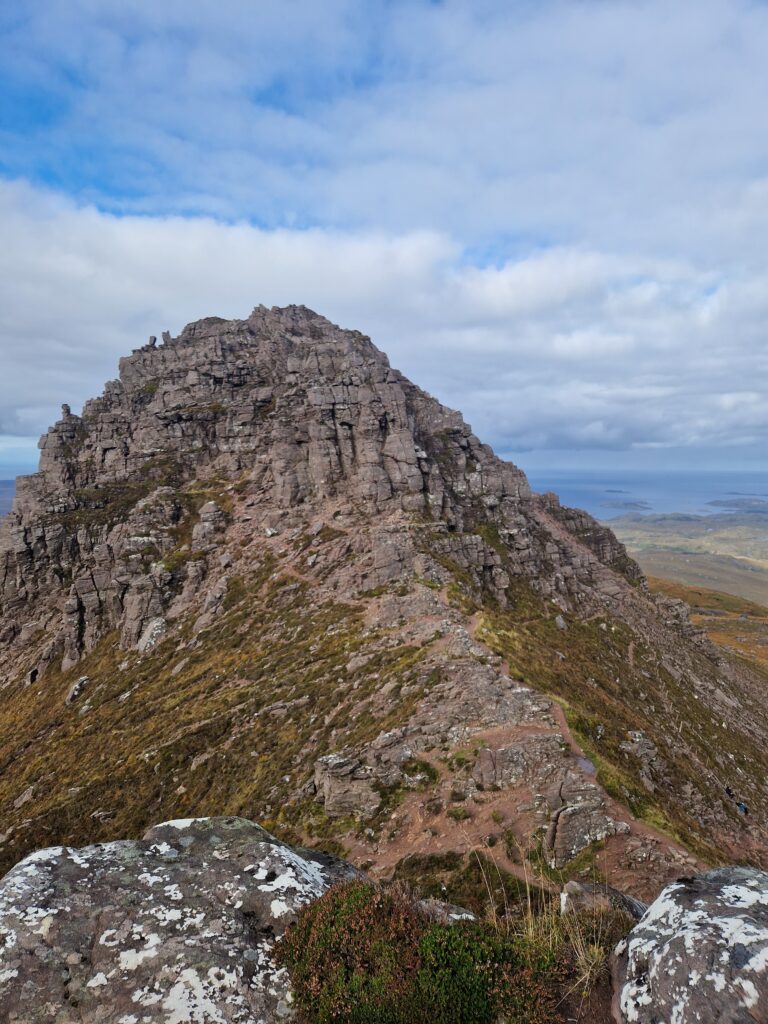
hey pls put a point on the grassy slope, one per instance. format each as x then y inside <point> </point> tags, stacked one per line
<point>609,683</point>
<point>217,728</point>
<point>737,576</point>
<point>733,623</point>
<point>232,721</point>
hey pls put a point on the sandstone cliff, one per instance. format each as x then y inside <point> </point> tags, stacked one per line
<point>265,574</point>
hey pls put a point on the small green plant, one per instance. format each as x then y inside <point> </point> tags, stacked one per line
<point>424,773</point>
<point>179,557</point>
<point>458,813</point>
<point>459,760</point>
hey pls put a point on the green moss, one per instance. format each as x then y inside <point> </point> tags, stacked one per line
<point>427,772</point>
<point>208,410</point>
<point>490,534</point>
<point>459,760</point>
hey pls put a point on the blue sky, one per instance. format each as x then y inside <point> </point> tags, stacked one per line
<point>552,215</point>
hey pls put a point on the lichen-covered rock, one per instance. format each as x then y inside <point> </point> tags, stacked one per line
<point>700,953</point>
<point>177,928</point>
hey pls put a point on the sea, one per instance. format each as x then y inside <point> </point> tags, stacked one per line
<point>606,494</point>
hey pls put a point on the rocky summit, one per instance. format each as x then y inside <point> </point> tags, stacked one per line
<point>266,575</point>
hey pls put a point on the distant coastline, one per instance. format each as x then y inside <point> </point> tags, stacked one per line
<point>697,528</point>
<point>608,494</point>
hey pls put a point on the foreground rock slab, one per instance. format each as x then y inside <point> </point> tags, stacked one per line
<point>700,953</point>
<point>177,927</point>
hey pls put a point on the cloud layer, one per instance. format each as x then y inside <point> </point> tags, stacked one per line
<point>593,122</point>
<point>551,214</point>
<point>568,348</point>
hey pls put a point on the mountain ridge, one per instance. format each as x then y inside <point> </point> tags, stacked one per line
<point>264,574</point>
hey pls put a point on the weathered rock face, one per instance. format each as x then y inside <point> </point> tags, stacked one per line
<point>700,953</point>
<point>306,412</point>
<point>178,927</point>
<point>345,785</point>
<point>579,818</point>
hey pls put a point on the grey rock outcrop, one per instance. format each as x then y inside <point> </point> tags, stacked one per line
<point>700,953</point>
<point>345,785</point>
<point>579,818</point>
<point>302,412</point>
<point>178,927</point>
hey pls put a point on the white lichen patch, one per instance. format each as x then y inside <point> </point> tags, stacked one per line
<point>196,1000</point>
<point>130,959</point>
<point>147,996</point>
<point>152,878</point>
<point>744,896</point>
<point>182,824</point>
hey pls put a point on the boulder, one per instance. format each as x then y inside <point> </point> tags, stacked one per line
<point>178,927</point>
<point>700,953</point>
<point>579,817</point>
<point>344,785</point>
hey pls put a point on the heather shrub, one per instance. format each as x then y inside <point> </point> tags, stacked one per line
<point>366,955</point>
<point>471,973</point>
<point>353,955</point>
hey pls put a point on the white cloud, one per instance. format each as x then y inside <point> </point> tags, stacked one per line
<point>587,343</point>
<point>585,124</point>
<point>546,352</point>
<point>552,214</point>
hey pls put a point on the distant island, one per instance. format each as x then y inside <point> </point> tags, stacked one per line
<point>742,504</point>
<point>630,506</point>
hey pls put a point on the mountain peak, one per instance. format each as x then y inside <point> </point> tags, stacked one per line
<point>265,574</point>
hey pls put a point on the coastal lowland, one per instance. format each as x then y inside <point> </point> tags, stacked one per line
<point>726,550</point>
